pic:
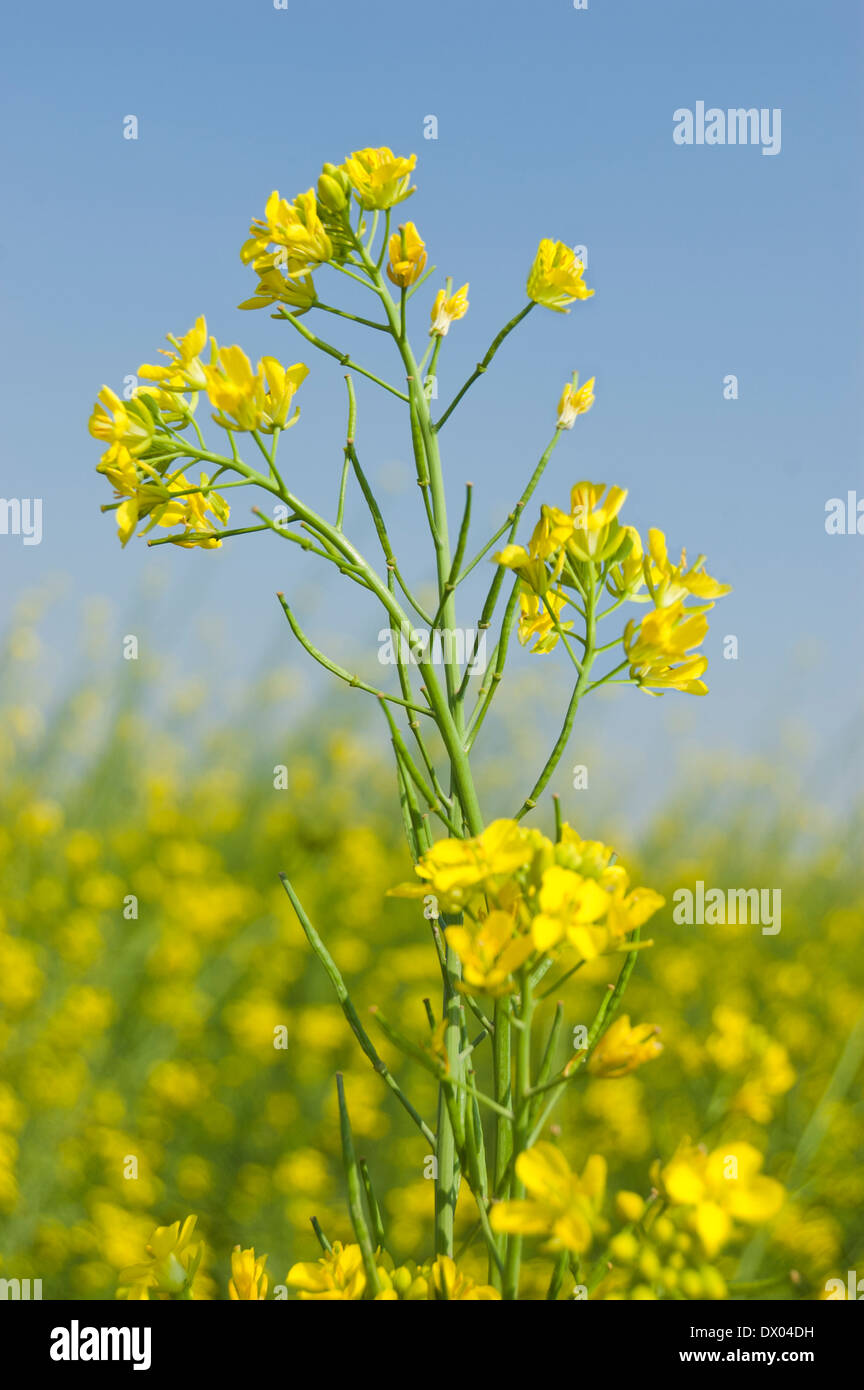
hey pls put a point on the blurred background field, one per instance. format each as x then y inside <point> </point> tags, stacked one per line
<point>145,1029</point>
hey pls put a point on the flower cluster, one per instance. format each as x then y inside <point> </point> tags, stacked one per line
<point>573,555</point>
<point>521,895</point>
<point>145,435</point>
<point>339,1275</point>
<point>721,1188</point>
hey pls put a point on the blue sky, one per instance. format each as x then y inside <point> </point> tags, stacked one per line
<point>551,122</point>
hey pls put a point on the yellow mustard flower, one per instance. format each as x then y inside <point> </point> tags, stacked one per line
<point>490,951</point>
<point>123,425</point>
<point>380,178</point>
<point>174,408</point>
<point>623,1048</point>
<point>548,538</point>
<point>118,466</point>
<point>626,576</point>
<point>282,386</point>
<point>247,400</point>
<point>575,400</point>
<point>555,279</point>
<point>658,648</point>
<point>234,389</point>
<point>168,506</point>
<point>560,1206</point>
<point>296,227</point>
<point>184,369</point>
<point>407,256</point>
<point>296,291</point>
<point>596,534</point>
<point>668,583</point>
<point>448,1284</point>
<point>570,906</point>
<point>627,911</point>
<point>248,1282</point>
<point>591,858</point>
<point>447,309</point>
<point>337,1275</point>
<point>541,620</point>
<point>723,1186</point>
<point>458,870</point>
<point>172,1263</point>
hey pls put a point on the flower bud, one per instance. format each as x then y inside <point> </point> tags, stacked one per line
<point>629,1206</point>
<point>331,192</point>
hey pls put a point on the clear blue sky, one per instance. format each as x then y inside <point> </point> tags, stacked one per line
<point>552,122</point>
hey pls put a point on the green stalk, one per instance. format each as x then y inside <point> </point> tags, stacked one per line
<point>348,1009</point>
<point>503,1084</point>
<point>483,365</point>
<point>355,1197</point>
<point>522,1106</point>
<point>578,691</point>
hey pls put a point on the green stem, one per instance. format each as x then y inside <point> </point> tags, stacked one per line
<point>483,365</point>
<point>343,357</point>
<point>355,1197</point>
<point>578,691</point>
<point>341,991</point>
<point>522,1106</point>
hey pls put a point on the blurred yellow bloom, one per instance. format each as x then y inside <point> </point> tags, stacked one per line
<point>447,309</point>
<point>623,1048</point>
<point>627,911</point>
<point>407,256</point>
<point>739,1044</point>
<point>337,1275</point>
<point>668,583</point>
<point>248,1282</point>
<point>575,400</point>
<point>555,278</point>
<point>296,227</point>
<point>490,951</point>
<point>561,1205</point>
<point>449,1285</point>
<point>380,178</point>
<point>172,1263</point>
<point>723,1186</point>
<point>591,858</point>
